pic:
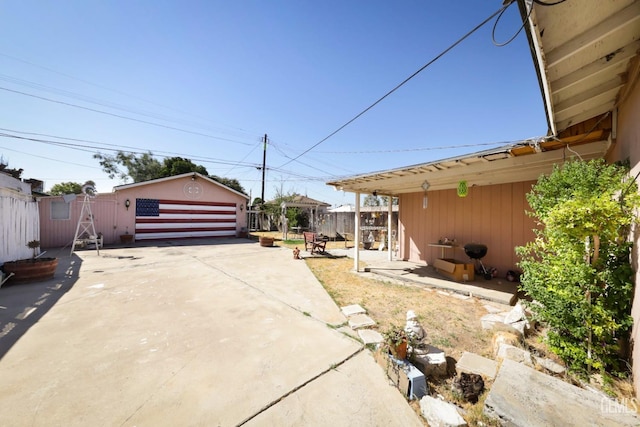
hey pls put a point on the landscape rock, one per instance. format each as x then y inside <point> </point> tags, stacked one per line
<point>353,309</point>
<point>490,320</point>
<point>358,321</point>
<point>507,351</point>
<point>522,396</point>
<point>439,413</point>
<point>433,363</point>
<point>369,336</point>
<point>503,337</point>
<point>475,364</point>
<point>550,365</point>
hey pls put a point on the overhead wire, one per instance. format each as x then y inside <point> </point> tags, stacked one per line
<point>121,116</point>
<point>113,90</point>
<point>398,86</point>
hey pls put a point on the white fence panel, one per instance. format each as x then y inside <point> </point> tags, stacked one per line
<point>19,224</point>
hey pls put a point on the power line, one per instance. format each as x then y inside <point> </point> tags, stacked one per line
<point>111,89</point>
<point>440,55</point>
<point>120,116</point>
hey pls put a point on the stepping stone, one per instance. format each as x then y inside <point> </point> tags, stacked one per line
<point>350,310</point>
<point>358,321</point>
<point>369,336</point>
<point>522,396</point>
<point>472,363</point>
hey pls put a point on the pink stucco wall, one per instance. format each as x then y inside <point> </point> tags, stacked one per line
<point>492,215</point>
<point>112,218</point>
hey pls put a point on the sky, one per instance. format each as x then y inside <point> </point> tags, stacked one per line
<point>206,80</point>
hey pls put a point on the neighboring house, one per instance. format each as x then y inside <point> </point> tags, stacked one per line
<point>19,220</point>
<point>181,206</point>
<point>586,57</point>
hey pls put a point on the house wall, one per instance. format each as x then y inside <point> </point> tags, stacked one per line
<point>55,233</point>
<point>628,147</point>
<point>492,215</point>
<point>112,218</point>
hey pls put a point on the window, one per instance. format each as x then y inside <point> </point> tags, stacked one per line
<point>60,210</point>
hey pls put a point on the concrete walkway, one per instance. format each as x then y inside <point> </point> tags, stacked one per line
<point>220,333</point>
<point>497,289</point>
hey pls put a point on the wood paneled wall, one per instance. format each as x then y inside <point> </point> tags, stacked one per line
<point>492,215</point>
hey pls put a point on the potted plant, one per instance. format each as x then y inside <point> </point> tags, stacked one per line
<point>396,339</point>
<point>33,269</point>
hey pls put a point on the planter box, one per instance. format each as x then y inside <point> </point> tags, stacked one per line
<point>31,271</point>
<point>456,270</point>
<point>266,241</point>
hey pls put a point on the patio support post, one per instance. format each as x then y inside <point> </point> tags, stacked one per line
<point>356,234</point>
<point>389,217</point>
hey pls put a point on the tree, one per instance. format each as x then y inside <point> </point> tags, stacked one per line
<point>70,188</point>
<point>177,165</point>
<point>66,188</point>
<point>139,168</point>
<point>577,270</point>
<point>229,182</point>
<point>371,200</point>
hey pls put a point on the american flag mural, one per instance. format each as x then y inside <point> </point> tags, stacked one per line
<point>172,219</point>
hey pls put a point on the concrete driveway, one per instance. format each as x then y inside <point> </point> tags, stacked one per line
<point>208,333</point>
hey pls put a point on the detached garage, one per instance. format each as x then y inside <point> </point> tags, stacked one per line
<point>189,205</point>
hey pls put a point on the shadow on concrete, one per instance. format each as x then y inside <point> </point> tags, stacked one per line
<point>23,304</point>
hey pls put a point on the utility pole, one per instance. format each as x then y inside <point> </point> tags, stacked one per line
<point>264,164</point>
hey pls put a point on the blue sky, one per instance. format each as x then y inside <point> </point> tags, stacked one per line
<point>214,76</point>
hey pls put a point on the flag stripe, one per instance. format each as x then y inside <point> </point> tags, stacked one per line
<point>161,219</point>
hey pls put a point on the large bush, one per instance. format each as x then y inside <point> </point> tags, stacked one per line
<point>578,270</point>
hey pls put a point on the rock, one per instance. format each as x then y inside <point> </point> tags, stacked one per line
<point>550,365</point>
<point>469,386</point>
<point>350,310</point>
<point>432,363</point>
<point>516,314</point>
<point>507,351</point>
<point>369,336</point>
<point>439,413</point>
<point>475,364</point>
<point>358,321</point>
<point>522,396</point>
<point>490,320</point>
<point>503,337</point>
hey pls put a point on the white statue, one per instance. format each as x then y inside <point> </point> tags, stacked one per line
<point>415,332</point>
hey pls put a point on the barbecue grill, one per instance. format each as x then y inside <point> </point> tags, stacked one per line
<point>476,252</point>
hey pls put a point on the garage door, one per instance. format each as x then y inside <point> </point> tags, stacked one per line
<point>174,219</point>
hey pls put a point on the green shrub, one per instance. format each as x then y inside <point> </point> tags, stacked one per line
<point>577,269</point>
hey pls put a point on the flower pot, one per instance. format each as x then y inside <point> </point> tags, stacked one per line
<point>266,241</point>
<point>399,351</point>
<point>126,238</point>
<point>31,270</point>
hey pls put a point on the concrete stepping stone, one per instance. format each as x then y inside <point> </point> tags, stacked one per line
<point>472,363</point>
<point>358,321</point>
<point>353,309</point>
<point>369,336</point>
<point>522,396</point>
